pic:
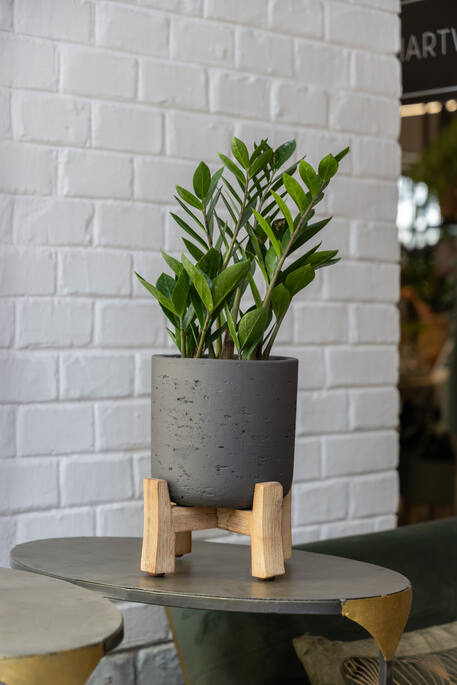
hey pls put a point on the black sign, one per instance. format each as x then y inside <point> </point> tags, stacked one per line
<point>429,49</point>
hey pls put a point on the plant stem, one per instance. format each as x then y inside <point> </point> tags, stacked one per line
<point>228,254</point>
<point>288,247</point>
<point>201,342</point>
<point>274,333</point>
<point>183,340</point>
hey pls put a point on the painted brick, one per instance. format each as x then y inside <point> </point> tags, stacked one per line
<point>26,272</point>
<point>58,523</point>
<point>155,179</point>
<point>61,19</point>
<point>114,669</point>
<point>321,412</point>
<point>26,63</point>
<point>362,366</point>
<point>6,14</point>
<point>341,529</point>
<point>319,502</point>
<point>173,85</point>
<point>307,459</point>
<point>375,324</point>
<point>316,144</point>
<point>7,432</point>
<point>6,323</point>
<point>97,272</point>
<point>27,378</point>
<point>88,480</point>
<point>91,72</point>
<point>26,168</point>
<point>362,27</point>
<point>365,281</point>
<point>206,43</point>
<point>143,623</point>
<point>7,531</point>
<point>322,65</point>
<point>51,119</point>
<point>129,225</point>
<point>131,129</point>
<point>54,429</point>
<point>141,470</point>
<point>123,426</point>
<point>311,365</point>
<point>386,522</point>
<point>50,221</point>
<point>378,241</point>
<point>320,323</point>
<point>374,494</point>
<point>159,665</point>
<point>129,324</point>
<point>298,104</point>
<point>28,484</point>
<point>242,95</point>
<point>301,17</point>
<point>359,453</point>
<point>264,53</point>
<point>126,28</point>
<point>364,114</point>
<point>197,136</point>
<point>149,266</point>
<point>376,158</point>
<point>178,6</point>
<point>123,520</point>
<point>378,74</point>
<point>5,117</point>
<point>96,174</point>
<point>6,219</point>
<point>254,13</point>
<point>370,409</point>
<point>301,535</point>
<point>53,323</point>
<point>95,376</point>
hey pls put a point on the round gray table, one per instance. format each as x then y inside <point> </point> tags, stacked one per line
<point>217,576</point>
<point>52,632</point>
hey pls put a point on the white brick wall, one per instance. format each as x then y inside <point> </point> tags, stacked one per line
<point>104,107</point>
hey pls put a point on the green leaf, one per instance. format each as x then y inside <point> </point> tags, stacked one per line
<point>240,152</point>
<point>321,257</point>
<point>231,166</point>
<point>215,180</point>
<point>180,293</point>
<point>194,251</point>
<point>310,178</point>
<point>198,307</point>
<point>210,263</point>
<point>301,261</point>
<point>260,162</point>
<point>268,231</point>
<point>165,283</point>
<point>199,282</point>
<point>185,227</point>
<point>295,191</point>
<point>162,299</point>
<point>254,289</point>
<point>201,181</point>
<point>280,300</point>
<point>284,209</point>
<point>341,155</point>
<point>252,326</point>
<point>328,166</point>
<point>309,232</point>
<point>271,261</point>
<point>283,153</point>
<point>189,198</point>
<point>299,278</point>
<point>228,280</point>
<point>173,263</point>
<point>231,327</point>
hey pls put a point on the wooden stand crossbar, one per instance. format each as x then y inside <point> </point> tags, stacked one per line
<point>168,528</point>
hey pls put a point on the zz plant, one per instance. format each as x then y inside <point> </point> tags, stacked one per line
<point>212,298</point>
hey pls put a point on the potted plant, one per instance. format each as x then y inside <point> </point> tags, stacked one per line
<point>223,409</point>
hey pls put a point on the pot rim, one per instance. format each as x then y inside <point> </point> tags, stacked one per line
<point>276,359</point>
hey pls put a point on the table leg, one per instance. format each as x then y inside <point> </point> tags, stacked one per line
<point>385,671</point>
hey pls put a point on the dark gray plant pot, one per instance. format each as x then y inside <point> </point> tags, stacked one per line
<point>221,426</point>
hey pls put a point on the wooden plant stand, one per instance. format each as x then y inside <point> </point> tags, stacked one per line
<point>168,528</point>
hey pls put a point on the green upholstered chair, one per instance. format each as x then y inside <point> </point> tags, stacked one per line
<point>227,648</point>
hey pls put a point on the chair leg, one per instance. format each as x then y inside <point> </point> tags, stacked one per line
<point>286,525</point>
<point>267,554</point>
<point>158,554</point>
<point>183,543</point>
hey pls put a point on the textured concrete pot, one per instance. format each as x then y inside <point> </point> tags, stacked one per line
<point>221,426</point>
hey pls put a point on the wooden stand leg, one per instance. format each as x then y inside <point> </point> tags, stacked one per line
<point>158,555</point>
<point>183,543</point>
<point>267,554</point>
<point>286,525</point>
